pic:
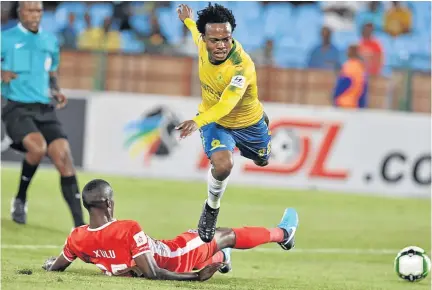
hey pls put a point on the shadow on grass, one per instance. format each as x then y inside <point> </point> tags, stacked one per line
<point>12,227</point>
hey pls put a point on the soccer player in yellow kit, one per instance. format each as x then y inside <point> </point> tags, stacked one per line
<point>230,114</point>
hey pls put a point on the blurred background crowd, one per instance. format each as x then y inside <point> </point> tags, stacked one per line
<point>283,34</point>
<point>142,47</point>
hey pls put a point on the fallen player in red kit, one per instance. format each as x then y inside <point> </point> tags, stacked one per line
<point>121,248</point>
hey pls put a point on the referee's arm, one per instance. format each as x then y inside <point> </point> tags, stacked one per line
<point>6,74</point>
<point>53,79</point>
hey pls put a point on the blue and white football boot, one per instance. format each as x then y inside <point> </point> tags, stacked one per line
<point>289,223</point>
<point>227,260</point>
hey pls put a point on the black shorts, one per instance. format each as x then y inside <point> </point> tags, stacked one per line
<point>21,119</point>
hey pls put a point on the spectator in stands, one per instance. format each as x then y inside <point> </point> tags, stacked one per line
<point>397,20</point>
<point>122,12</point>
<point>156,41</point>
<point>371,51</point>
<point>351,87</point>
<point>325,55</point>
<point>264,55</point>
<point>99,38</point>
<point>339,16</point>
<point>69,34</point>
<point>373,15</point>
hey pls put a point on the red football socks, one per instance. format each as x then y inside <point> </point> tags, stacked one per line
<point>250,237</point>
<point>218,257</point>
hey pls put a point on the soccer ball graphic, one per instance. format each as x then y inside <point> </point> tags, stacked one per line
<point>286,145</point>
<point>412,264</point>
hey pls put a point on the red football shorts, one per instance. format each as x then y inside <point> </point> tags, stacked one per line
<point>185,252</point>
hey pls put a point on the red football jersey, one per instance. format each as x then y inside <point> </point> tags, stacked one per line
<point>111,247</point>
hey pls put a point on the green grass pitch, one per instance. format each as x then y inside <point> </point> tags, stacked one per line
<point>344,242</point>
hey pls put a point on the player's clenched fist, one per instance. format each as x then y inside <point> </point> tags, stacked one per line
<point>184,12</point>
<point>208,271</point>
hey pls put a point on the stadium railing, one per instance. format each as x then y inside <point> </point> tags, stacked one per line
<point>402,89</point>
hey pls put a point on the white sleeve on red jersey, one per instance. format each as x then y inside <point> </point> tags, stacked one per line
<point>138,241</point>
<point>67,252</point>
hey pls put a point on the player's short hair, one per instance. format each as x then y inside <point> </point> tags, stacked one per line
<point>214,14</point>
<point>96,193</point>
<point>22,3</point>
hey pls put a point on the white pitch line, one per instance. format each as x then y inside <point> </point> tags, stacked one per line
<point>264,250</point>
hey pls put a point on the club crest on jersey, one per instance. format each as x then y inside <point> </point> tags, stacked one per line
<point>219,78</point>
<point>140,239</point>
<point>238,81</point>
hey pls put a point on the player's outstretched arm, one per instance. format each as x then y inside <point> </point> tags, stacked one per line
<point>58,264</point>
<point>229,99</point>
<point>147,265</point>
<point>185,14</point>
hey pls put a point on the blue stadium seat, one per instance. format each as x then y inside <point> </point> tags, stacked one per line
<point>386,42</point>
<point>140,23</point>
<point>287,53</point>
<point>277,18</point>
<point>80,25</point>
<point>423,44</point>
<point>64,8</point>
<point>136,4</point>
<point>99,11</point>
<point>251,35</point>
<point>421,64</point>
<point>309,17</point>
<point>343,39</point>
<point>406,44</point>
<point>308,24</point>
<point>130,44</point>
<point>49,23</point>
<point>170,26</point>
<point>246,11</point>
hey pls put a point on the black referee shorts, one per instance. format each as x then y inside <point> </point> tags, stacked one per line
<point>21,119</point>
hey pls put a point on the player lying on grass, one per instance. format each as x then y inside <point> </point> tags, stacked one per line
<point>121,248</point>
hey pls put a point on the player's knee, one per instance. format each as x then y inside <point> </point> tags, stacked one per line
<point>225,238</point>
<point>36,147</point>
<point>223,168</point>
<point>37,153</point>
<point>261,162</point>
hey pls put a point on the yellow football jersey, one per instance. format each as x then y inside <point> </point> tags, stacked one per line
<point>229,90</point>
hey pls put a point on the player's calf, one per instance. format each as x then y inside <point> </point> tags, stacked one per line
<point>36,148</point>
<point>217,180</point>
<point>59,152</point>
<point>251,237</point>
